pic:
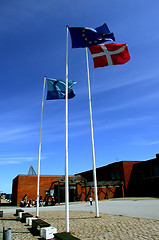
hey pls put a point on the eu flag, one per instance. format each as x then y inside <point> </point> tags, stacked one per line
<point>56,89</point>
<point>86,37</point>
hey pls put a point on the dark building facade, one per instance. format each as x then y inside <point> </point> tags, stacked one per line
<point>144,179</point>
<point>119,179</point>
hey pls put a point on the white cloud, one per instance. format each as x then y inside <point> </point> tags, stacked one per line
<point>8,160</point>
<point>126,80</point>
<point>138,101</point>
<point>16,133</point>
<point>144,142</point>
<point>5,160</point>
<point>121,123</point>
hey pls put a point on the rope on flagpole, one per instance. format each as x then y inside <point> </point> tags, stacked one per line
<point>66,143</point>
<point>92,138</point>
<point>39,156</point>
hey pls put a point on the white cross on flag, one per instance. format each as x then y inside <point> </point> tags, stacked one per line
<point>109,54</point>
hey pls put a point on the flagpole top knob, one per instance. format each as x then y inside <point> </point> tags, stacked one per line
<point>67,26</point>
<point>45,76</point>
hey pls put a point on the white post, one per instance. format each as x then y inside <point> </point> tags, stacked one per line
<point>92,138</point>
<point>66,143</point>
<point>38,179</point>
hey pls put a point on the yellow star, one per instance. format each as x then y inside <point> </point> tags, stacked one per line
<point>83,35</point>
<point>83,30</point>
<point>90,42</point>
<point>95,41</point>
<point>85,39</point>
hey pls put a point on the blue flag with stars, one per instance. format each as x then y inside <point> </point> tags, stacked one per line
<point>56,89</point>
<point>86,37</point>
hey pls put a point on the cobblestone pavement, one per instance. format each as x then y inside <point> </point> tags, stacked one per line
<point>85,226</point>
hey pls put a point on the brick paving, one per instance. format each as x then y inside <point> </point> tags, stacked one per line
<point>85,226</point>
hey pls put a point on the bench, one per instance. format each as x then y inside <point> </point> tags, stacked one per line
<point>1,213</point>
<point>29,220</point>
<point>48,232</point>
<point>39,223</point>
<point>65,236</point>
<point>25,215</point>
<point>17,211</point>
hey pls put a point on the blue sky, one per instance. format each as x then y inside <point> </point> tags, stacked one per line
<point>125,98</point>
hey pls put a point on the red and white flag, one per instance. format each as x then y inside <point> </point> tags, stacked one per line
<point>109,54</point>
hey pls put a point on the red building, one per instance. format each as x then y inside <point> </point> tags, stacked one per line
<point>27,185</point>
<point>119,179</point>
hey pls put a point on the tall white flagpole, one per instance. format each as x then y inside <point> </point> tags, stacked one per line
<point>38,179</point>
<point>66,143</point>
<point>92,138</point>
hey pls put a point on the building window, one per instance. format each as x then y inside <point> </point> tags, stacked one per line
<point>118,175</point>
<point>155,170</point>
<point>113,175</point>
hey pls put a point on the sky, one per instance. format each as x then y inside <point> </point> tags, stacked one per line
<point>125,98</point>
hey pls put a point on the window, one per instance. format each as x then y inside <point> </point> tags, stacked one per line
<point>155,170</point>
<point>118,175</point>
<point>113,175</point>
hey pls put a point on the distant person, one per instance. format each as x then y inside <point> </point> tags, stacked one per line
<point>31,203</point>
<point>22,204</point>
<point>25,200</point>
<point>90,200</point>
<point>28,204</point>
<point>40,202</point>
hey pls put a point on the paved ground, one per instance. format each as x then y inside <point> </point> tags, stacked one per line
<point>134,208</point>
<point>142,208</point>
<point>131,219</point>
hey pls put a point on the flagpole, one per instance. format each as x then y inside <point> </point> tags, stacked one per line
<point>92,138</point>
<point>38,179</point>
<point>66,143</point>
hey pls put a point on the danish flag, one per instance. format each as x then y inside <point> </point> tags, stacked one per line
<point>109,54</point>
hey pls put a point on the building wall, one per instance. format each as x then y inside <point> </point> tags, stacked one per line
<point>113,171</point>
<point>103,192</point>
<point>139,178</point>
<point>118,171</point>
<point>144,179</point>
<point>127,170</point>
<point>15,191</point>
<point>27,184</point>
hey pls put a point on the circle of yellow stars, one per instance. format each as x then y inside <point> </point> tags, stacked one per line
<point>86,39</point>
